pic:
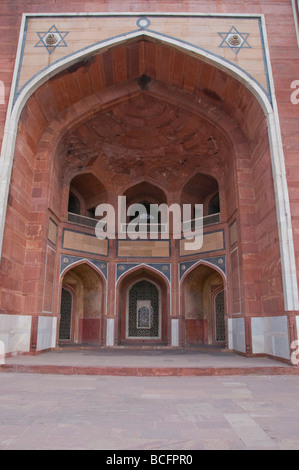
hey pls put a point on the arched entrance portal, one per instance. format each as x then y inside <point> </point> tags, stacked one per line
<point>203,307</point>
<point>119,128</point>
<point>81,306</point>
<point>143,306</point>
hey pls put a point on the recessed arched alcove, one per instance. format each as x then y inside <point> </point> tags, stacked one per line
<point>89,193</point>
<point>202,189</point>
<point>139,200</point>
<point>203,310</point>
<point>142,287</point>
<point>145,191</point>
<point>82,301</point>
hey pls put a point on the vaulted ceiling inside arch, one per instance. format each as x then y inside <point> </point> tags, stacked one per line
<point>168,122</point>
<point>145,135</point>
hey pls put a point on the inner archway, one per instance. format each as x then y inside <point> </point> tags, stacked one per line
<point>200,189</point>
<point>86,192</point>
<point>203,306</point>
<point>143,308</point>
<point>144,194</point>
<point>82,298</point>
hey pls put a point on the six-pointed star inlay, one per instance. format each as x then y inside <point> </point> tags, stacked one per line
<point>235,40</point>
<point>51,39</point>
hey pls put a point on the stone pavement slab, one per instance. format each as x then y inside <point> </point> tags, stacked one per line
<point>40,411</point>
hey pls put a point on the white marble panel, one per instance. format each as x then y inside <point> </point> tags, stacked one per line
<point>110,332</point>
<point>174,332</point>
<point>46,333</point>
<point>270,336</point>
<point>236,334</point>
<point>297,326</point>
<point>15,333</point>
<point>2,353</point>
<point>258,337</point>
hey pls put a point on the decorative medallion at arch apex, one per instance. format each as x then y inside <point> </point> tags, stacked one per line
<point>235,40</point>
<point>51,39</point>
<point>143,22</point>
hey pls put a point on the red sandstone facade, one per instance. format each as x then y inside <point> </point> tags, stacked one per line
<point>161,102</point>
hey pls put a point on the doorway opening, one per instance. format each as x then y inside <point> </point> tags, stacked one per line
<point>143,307</point>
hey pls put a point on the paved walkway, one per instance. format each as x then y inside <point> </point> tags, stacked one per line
<point>103,400</point>
<point>41,411</point>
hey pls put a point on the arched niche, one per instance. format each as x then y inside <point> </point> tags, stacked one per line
<point>201,189</point>
<point>88,191</point>
<point>144,194</point>
<point>141,277</point>
<point>88,293</point>
<point>145,191</point>
<point>198,291</point>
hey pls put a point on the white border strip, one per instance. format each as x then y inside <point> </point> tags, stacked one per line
<point>295,5</point>
<point>277,157</point>
<point>8,141</point>
<point>144,13</point>
<point>284,221</point>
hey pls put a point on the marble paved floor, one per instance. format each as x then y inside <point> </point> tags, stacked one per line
<point>40,411</point>
<point>127,357</point>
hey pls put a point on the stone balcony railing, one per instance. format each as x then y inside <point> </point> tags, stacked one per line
<point>158,229</point>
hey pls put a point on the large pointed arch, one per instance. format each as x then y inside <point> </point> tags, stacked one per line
<point>270,111</point>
